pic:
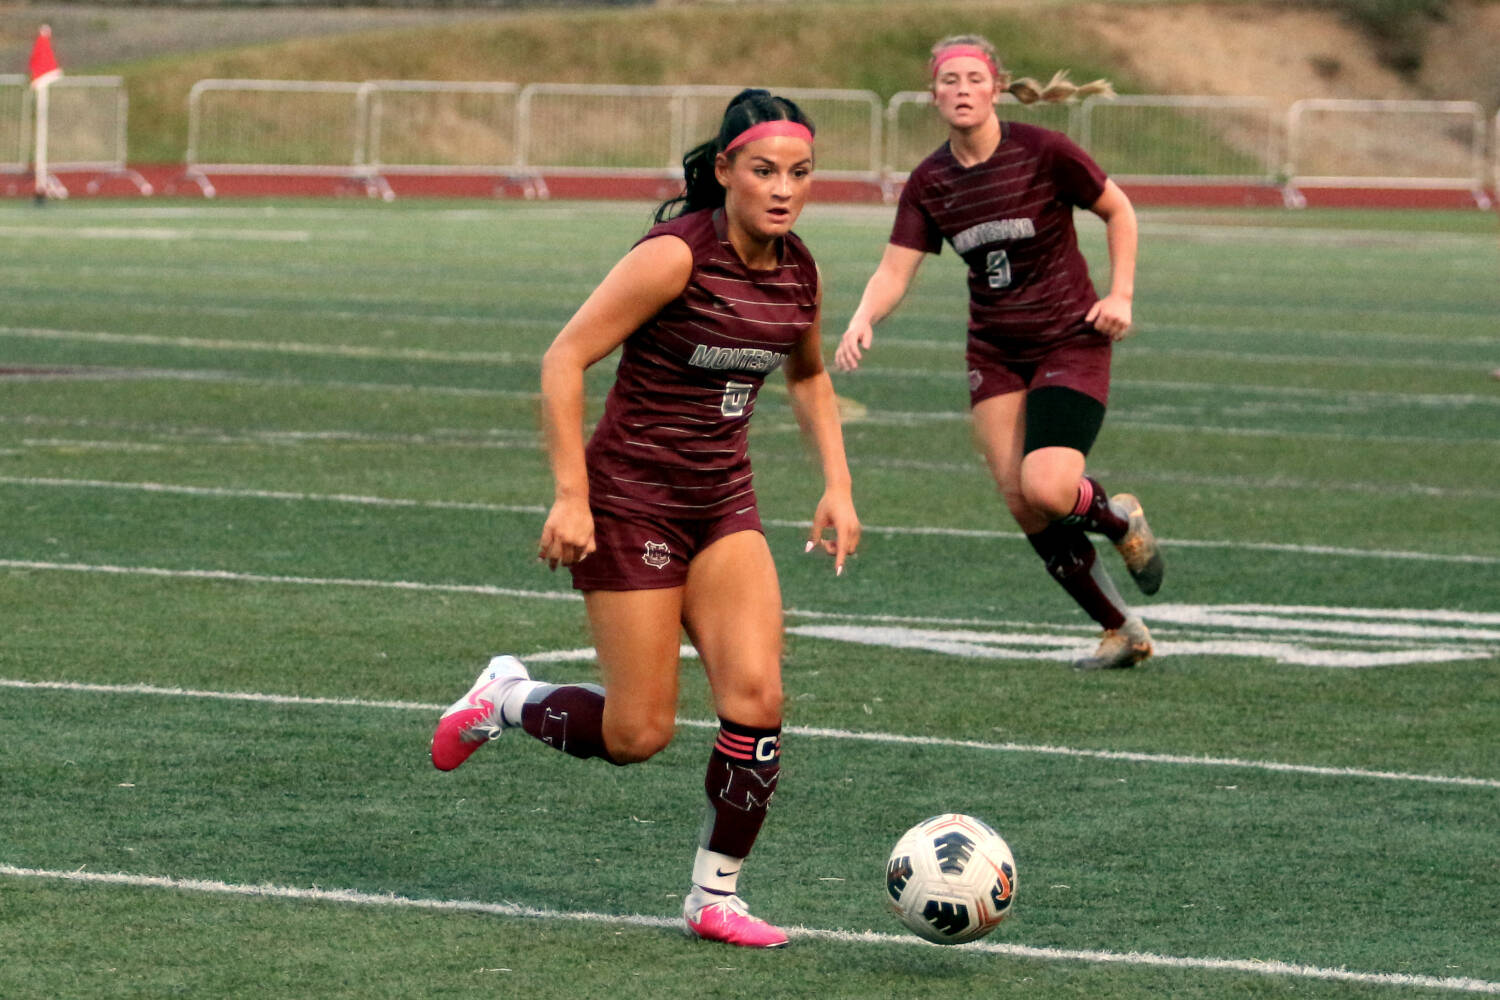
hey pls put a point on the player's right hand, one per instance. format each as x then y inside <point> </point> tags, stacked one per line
<point>568,534</point>
<point>852,345</point>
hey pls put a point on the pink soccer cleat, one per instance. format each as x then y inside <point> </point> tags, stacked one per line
<point>476,718</point>
<point>729,921</point>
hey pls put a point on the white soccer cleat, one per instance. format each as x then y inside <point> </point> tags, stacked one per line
<point>476,718</point>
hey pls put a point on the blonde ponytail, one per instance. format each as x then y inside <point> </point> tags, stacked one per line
<point>1058,90</point>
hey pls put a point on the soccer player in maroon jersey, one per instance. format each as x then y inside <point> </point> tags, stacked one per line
<point>656,517</point>
<point>1002,194</point>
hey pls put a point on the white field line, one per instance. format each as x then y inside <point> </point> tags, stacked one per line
<point>889,418</point>
<point>869,529</point>
<point>1302,360</point>
<point>262,440</point>
<point>382,316</point>
<point>273,346</point>
<point>1139,349</point>
<point>1370,398</point>
<point>169,234</point>
<point>976,467</point>
<point>320,385</point>
<point>1414,340</point>
<point>227,576</point>
<point>992,645</point>
<point>226,493</point>
<point>812,732</point>
<point>1260,967</point>
<point>510,358</point>
<point>899,418</point>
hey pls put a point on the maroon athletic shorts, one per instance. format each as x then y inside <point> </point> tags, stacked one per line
<point>647,552</point>
<point>1080,363</point>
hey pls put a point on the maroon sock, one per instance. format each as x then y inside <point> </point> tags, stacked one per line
<point>742,773</point>
<point>569,718</point>
<point>1071,560</point>
<point>1092,511</point>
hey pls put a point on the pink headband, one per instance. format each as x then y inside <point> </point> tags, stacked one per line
<point>955,51</point>
<point>777,127</point>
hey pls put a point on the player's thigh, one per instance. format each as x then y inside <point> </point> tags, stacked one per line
<point>1000,434</point>
<point>732,611</point>
<point>637,639</point>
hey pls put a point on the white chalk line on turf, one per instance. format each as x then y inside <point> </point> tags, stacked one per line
<point>868,529</point>
<point>169,234</point>
<point>1260,967</point>
<point>1190,615</point>
<point>228,576</point>
<point>812,732</point>
<point>276,347</point>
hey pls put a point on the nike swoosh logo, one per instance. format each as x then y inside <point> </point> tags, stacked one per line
<point>723,874</point>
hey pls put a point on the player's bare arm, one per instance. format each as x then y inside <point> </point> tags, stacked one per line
<point>1111,315</point>
<point>639,286</point>
<point>816,407</point>
<point>883,292</point>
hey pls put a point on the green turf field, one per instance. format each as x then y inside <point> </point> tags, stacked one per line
<point>270,482</point>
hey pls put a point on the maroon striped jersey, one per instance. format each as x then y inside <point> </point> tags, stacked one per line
<point>1011,219</point>
<point>672,441</point>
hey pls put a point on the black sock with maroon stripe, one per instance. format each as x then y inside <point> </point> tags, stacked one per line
<point>1072,561</point>
<point>1092,511</point>
<point>742,773</point>
<point>568,717</point>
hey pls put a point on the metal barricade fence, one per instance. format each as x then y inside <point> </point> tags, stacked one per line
<point>1182,140</point>
<point>274,127</point>
<point>432,126</point>
<point>600,128</point>
<point>913,129</point>
<point>587,128</point>
<point>88,129</point>
<point>1416,144</point>
<point>15,124</point>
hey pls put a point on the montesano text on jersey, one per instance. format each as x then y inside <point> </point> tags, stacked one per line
<point>672,440</point>
<point>1011,219</point>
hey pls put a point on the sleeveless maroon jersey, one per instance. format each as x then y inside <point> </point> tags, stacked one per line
<point>1011,219</point>
<point>672,441</point>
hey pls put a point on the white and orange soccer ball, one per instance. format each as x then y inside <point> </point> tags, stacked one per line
<point>951,879</point>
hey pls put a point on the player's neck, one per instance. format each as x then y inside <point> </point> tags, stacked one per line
<point>972,146</point>
<point>756,254</point>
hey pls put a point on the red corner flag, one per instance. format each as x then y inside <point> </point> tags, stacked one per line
<point>44,68</point>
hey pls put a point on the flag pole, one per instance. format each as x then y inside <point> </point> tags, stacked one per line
<point>44,70</point>
<point>40,173</point>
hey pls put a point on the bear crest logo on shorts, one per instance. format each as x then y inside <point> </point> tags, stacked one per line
<point>656,555</point>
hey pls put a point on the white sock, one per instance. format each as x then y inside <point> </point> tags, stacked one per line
<point>719,874</point>
<point>515,699</point>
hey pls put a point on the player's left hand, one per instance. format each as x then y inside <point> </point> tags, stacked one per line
<point>1111,316</point>
<point>835,511</point>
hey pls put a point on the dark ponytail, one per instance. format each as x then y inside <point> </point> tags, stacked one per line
<point>700,188</point>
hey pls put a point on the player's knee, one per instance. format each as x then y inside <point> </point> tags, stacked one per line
<point>755,704</point>
<point>640,740</point>
<point>1050,499</point>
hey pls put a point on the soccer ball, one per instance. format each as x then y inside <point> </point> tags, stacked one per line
<point>951,879</point>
